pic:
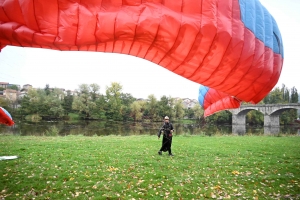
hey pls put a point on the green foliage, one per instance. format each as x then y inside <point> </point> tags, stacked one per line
<point>198,111</point>
<point>255,117</point>
<point>152,108</point>
<point>178,110</point>
<point>288,117</point>
<point>222,117</point>
<point>47,89</point>
<point>33,118</point>
<point>13,87</point>
<point>4,103</point>
<point>126,100</point>
<point>74,116</point>
<point>114,107</point>
<point>84,101</point>
<point>165,107</point>
<point>67,103</point>
<point>100,107</point>
<point>284,95</point>
<point>136,110</point>
<point>294,95</point>
<point>88,103</point>
<point>189,113</point>
<point>37,102</point>
<point>53,131</point>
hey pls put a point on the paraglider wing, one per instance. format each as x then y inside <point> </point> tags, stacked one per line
<point>5,117</point>
<point>232,46</point>
<point>213,101</point>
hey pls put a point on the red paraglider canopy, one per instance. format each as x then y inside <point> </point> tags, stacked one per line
<point>233,46</point>
<point>5,117</point>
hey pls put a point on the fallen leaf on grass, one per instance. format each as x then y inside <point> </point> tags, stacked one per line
<point>235,172</point>
<point>213,195</point>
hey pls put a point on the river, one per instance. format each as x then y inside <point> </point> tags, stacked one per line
<point>102,128</point>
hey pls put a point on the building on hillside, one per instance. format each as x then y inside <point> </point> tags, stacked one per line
<point>70,92</point>
<point>26,87</point>
<point>24,90</point>
<point>6,85</point>
<point>189,103</point>
<point>11,95</point>
<point>141,99</point>
<point>22,93</point>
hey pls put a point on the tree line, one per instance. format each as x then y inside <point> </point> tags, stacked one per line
<point>88,103</point>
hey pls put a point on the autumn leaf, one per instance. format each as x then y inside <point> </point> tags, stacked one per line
<point>235,172</point>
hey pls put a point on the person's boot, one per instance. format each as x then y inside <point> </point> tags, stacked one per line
<point>159,153</point>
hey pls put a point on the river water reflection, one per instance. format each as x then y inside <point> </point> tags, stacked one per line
<point>101,128</point>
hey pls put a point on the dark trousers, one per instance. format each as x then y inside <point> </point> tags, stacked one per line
<point>166,144</point>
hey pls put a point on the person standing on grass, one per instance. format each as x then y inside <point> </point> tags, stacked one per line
<point>167,130</point>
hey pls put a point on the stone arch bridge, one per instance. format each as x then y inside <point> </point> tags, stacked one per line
<point>271,115</point>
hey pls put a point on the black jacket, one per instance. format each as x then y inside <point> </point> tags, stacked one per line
<point>166,129</point>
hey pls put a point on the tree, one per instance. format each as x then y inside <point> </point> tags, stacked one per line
<point>47,89</point>
<point>294,95</point>
<point>53,101</point>
<point>83,102</point>
<point>101,107</point>
<point>126,101</point>
<point>285,94</point>
<point>13,87</point>
<point>37,102</point>
<point>114,105</point>
<point>30,103</point>
<point>136,110</point>
<point>94,91</point>
<point>255,117</point>
<point>198,111</point>
<point>220,117</point>
<point>178,109</point>
<point>274,97</point>
<point>291,115</point>
<point>152,108</point>
<point>164,107</point>
<point>67,103</point>
<point>189,113</point>
<point>4,103</point>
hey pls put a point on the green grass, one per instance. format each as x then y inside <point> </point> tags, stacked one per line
<point>115,167</point>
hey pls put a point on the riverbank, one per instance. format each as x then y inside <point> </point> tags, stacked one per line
<point>104,128</point>
<point>130,168</point>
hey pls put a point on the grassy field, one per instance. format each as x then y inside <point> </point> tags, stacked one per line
<point>115,167</point>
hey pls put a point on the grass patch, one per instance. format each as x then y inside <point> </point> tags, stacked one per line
<point>115,167</point>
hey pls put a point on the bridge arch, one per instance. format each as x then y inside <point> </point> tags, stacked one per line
<point>239,115</point>
<point>273,118</point>
<point>271,113</point>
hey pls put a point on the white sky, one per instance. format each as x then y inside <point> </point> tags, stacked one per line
<point>139,77</point>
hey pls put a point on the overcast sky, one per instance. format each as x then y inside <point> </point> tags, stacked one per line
<point>139,77</point>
